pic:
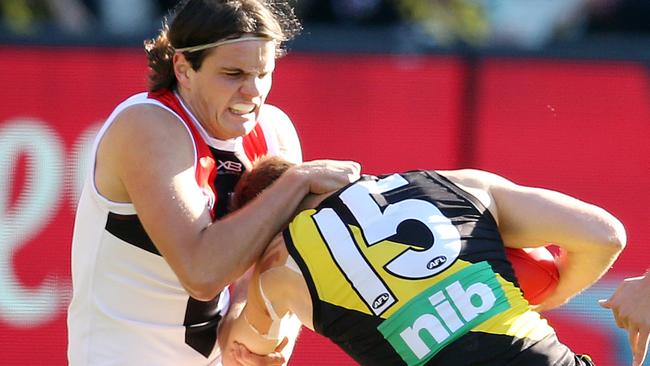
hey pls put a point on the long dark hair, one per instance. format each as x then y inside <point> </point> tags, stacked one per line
<point>196,22</point>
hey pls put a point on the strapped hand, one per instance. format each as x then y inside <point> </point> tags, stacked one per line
<point>244,357</point>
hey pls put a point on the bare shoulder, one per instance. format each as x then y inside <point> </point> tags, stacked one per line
<point>147,137</point>
<point>478,183</point>
<point>144,122</point>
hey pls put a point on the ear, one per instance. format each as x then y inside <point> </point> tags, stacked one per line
<point>182,69</point>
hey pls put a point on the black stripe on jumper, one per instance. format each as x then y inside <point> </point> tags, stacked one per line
<point>129,229</point>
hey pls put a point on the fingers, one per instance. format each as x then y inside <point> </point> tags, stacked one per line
<point>605,303</point>
<point>355,173</point>
<point>641,349</point>
<point>610,304</point>
<point>633,339</point>
<point>630,306</point>
<point>350,171</point>
<point>620,322</point>
<point>282,344</point>
<point>247,358</point>
<point>329,175</point>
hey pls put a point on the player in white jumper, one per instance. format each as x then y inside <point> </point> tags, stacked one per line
<point>153,250</point>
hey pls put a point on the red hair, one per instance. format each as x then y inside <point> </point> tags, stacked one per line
<point>266,170</point>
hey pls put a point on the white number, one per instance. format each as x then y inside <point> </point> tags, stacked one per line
<point>378,226</point>
<point>346,254</point>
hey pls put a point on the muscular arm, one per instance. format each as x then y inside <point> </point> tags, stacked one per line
<point>590,237</point>
<point>146,158</point>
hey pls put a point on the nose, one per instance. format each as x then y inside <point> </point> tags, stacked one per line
<point>253,86</point>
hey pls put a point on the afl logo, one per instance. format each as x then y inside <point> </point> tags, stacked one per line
<point>380,300</point>
<point>437,262</point>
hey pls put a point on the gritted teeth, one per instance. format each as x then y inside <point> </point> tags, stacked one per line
<point>242,108</point>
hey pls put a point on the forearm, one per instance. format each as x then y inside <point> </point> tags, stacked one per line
<point>239,239</point>
<point>578,271</point>
<point>228,247</point>
<point>590,245</point>
<point>206,256</point>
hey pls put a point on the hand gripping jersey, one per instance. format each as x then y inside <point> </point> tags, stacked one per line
<point>128,307</point>
<point>408,269</point>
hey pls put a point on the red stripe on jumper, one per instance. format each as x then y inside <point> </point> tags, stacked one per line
<point>206,171</point>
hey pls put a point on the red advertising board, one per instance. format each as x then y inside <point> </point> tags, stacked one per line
<point>577,127</point>
<point>581,128</point>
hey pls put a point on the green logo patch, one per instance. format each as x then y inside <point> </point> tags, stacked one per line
<point>444,312</point>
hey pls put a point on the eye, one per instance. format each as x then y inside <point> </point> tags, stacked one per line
<point>233,74</point>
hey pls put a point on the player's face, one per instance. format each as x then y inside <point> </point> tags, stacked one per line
<point>231,85</point>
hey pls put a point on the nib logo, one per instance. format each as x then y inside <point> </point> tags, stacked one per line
<point>444,312</point>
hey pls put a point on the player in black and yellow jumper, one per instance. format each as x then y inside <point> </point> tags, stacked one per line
<point>410,269</point>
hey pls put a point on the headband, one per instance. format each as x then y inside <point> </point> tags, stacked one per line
<point>220,43</point>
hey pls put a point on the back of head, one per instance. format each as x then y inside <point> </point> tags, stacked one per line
<point>199,22</point>
<point>265,171</point>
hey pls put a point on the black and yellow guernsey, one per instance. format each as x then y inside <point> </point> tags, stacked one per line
<point>408,269</point>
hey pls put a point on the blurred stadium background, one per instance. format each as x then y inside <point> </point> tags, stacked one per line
<point>553,93</point>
